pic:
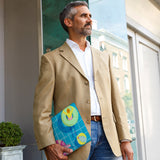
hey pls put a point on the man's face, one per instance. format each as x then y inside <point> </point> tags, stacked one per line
<point>82,23</point>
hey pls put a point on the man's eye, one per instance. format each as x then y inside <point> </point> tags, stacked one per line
<point>83,15</point>
<point>86,15</point>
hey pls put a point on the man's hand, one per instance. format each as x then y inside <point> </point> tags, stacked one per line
<point>126,150</point>
<point>57,152</point>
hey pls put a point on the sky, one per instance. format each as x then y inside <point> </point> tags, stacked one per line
<point>110,15</point>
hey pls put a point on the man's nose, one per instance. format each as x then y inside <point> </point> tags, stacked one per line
<point>89,19</point>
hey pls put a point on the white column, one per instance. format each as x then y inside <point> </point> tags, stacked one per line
<point>21,68</point>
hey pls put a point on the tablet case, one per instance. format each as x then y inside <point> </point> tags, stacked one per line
<point>69,129</point>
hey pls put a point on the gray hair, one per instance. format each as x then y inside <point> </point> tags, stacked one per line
<point>69,12</point>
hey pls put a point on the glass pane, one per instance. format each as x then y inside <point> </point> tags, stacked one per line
<point>110,35</point>
<point>148,60</point>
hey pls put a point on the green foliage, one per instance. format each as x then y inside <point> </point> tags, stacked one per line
<point>10,134</point>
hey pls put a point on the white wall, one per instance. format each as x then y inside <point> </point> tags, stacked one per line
<point>21,68</point>
<point>144,13</point>
<point>2,61</point>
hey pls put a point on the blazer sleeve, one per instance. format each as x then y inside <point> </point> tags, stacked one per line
<point>42,107</point>
<point>118,108</point>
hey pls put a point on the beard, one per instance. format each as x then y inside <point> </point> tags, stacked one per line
<point>86,31</point>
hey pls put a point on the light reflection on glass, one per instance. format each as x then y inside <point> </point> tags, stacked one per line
<point>109,35</point>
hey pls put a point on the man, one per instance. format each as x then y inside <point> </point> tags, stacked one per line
<point>78,73</point>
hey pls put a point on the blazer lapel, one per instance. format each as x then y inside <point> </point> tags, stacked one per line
<point>67,54</point>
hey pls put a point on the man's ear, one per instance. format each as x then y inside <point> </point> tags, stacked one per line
<point>68,22</point>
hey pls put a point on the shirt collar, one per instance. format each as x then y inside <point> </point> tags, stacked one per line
<point>73,44</point>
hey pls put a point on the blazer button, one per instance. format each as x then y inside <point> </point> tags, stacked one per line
<point>88,121</point>
<point>86,82</point>
<point>88,101</point>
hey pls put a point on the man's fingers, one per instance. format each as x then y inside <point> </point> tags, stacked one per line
<point>67,146</point>
<point>127,151</point>
<point>63,152</point>
<point>62,157</point>
<point>130,156</point>
<point>123,156</point>
<point>68,150</point>
<point>56,152</point>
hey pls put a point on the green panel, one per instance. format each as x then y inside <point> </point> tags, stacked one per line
<point>53,33</point>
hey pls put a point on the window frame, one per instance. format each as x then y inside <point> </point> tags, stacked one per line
<point>133,28</point>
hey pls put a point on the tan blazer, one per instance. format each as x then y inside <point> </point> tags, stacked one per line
<point>63,81</point>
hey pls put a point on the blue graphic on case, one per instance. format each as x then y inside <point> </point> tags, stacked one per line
<point>69,128</point>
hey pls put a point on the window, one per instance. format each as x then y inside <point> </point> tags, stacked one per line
<point>102,46</point>
<point>115,60</point>
<point>126,83</point>
<point>145,58</point>
<point>118,81</point>
<point>115,40</point>
<point>125,66</point>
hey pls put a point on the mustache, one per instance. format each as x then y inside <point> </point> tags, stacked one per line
<point>88,24</point>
